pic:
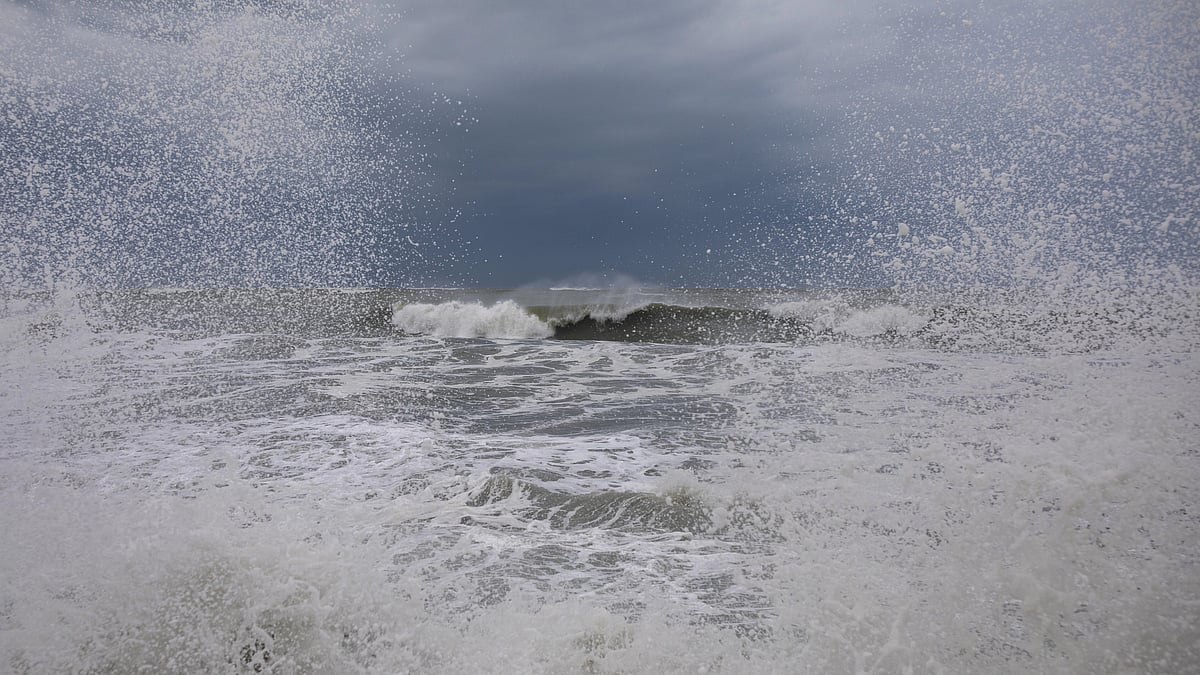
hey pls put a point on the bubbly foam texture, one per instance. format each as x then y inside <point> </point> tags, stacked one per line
<point>425,504</point>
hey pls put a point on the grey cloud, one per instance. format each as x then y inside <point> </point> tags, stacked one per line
<point>671,111</point>
<point>653,127</point>
<point>482,46</point>
<point>621,136</point>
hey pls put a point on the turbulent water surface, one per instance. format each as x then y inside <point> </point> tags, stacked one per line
<point>598,481</point>
<point>993,467</point>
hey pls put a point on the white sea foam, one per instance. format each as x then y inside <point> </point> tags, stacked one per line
<point>505,319</point>
<point>836,315</point>
<point>887,319</point>
<point>851,489</point>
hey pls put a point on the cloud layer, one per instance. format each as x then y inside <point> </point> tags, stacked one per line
<point>682,142</point>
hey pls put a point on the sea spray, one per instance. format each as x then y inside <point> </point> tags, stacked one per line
<point>1028,158</point>
<point>210,145</point>
<point>1045,147</point>
<point>112,581</point>
<point>962,479</point>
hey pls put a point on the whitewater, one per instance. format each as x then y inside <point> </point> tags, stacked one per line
<point>190,487</point>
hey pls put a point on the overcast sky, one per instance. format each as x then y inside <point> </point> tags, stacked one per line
<point>676,142</point>
<point>633,137</point>
<point>716,141</point>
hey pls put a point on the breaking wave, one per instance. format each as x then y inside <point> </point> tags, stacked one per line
<point>459,319</point>
<point>1001,321</point>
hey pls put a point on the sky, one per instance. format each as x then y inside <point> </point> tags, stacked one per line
<point>638,138</point>
<point>675,142</point>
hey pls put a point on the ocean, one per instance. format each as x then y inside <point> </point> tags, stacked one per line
<point>599,481</point>
<point>946,420</point>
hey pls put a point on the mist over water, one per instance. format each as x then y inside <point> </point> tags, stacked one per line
<point>987,463</point>
<point>1048,146</point>
<point>210,144</point>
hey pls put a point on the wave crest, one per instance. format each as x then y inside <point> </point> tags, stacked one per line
<point>505,319</point>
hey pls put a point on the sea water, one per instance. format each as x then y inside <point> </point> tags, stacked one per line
<point>197,481</point>
<point>986,462</point>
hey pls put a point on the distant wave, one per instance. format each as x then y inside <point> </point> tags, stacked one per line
<point>652,322</point>
<point>1010,321</point>
<point>1002,326</point>
<point>668,323</point>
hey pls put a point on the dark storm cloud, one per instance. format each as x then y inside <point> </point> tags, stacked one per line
<point>576,138</point>
<point>624,134</point>
<point>637,136</point>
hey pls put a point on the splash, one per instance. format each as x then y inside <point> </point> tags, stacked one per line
<point>1061,164</point>
<point>231,481</point>
<point>1034,146</point>
<point>205,144</point>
